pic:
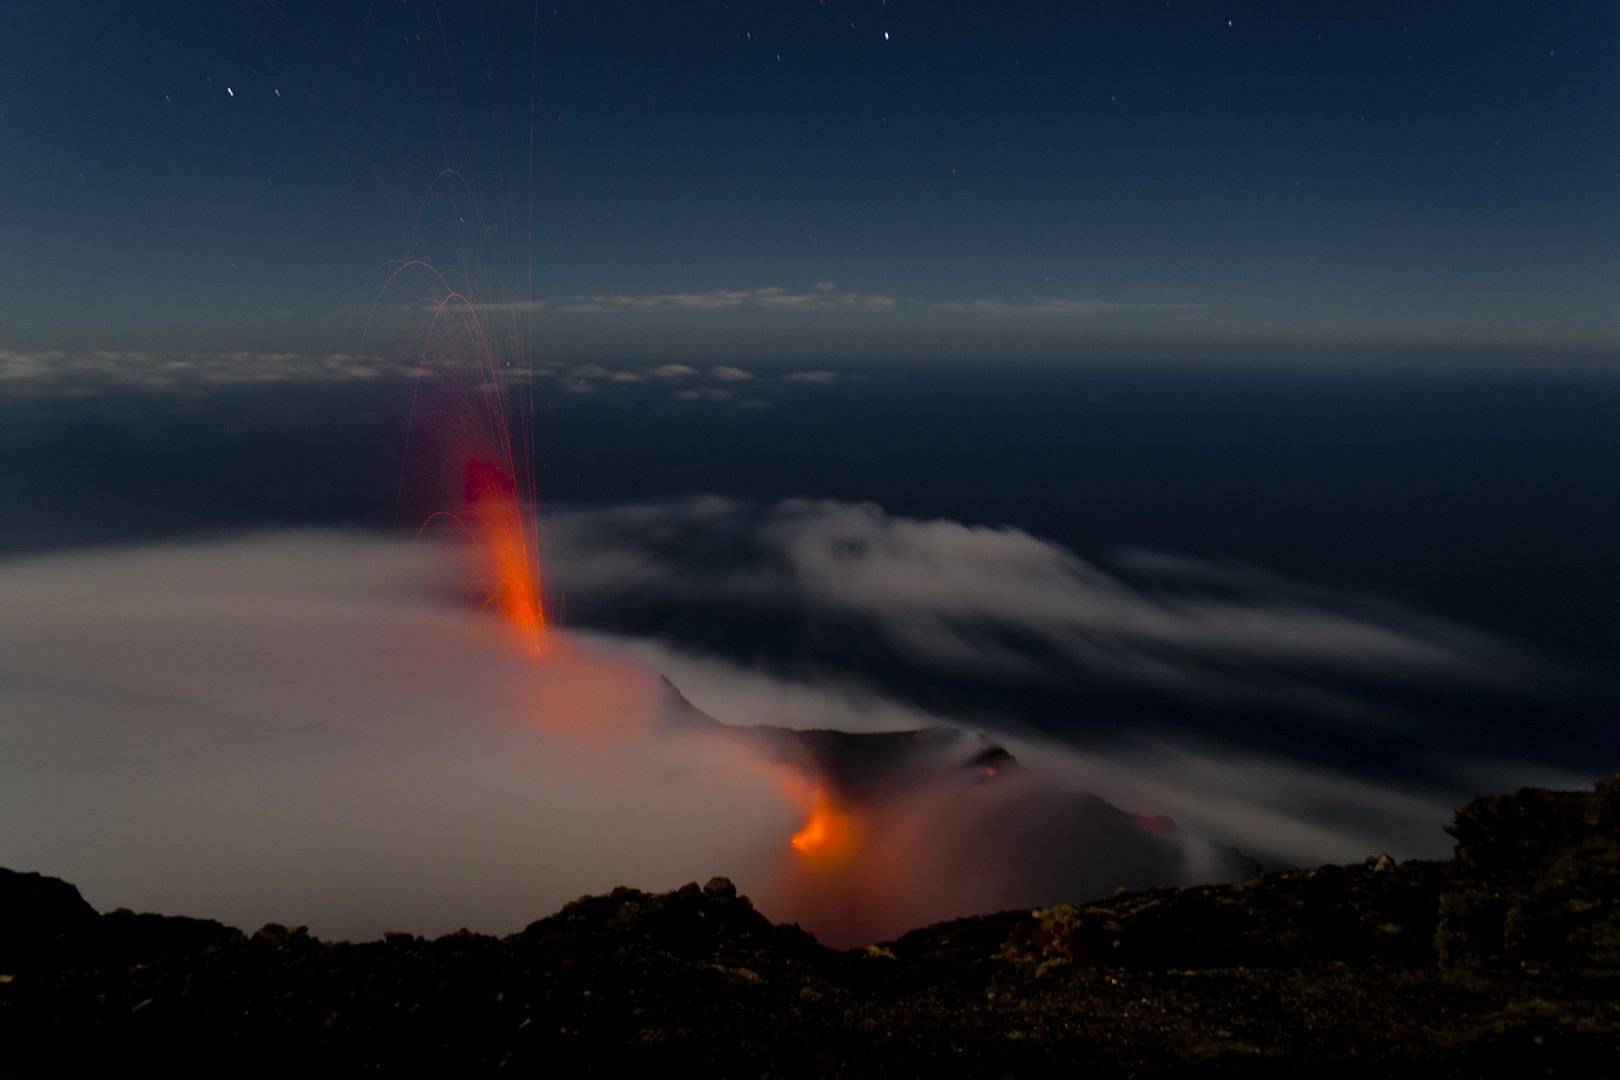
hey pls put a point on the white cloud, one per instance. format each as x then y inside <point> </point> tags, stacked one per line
<point>1279,810</point>
<point>90,372</point>
<point>301,727</point>
<point>1283,811</point>
<point>309,728</point>
<point>726,382</point>
<point>821,297</point>
<point>999,602</point>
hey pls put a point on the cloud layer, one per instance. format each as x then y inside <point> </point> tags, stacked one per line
<point>309,727</point>
<point>312,727</point>
<point>60,373</point>
<point>55,371</point>
<point>863,589</point>
<point>823,296</point>
<point>1283,811</point>
<point>315,727</point>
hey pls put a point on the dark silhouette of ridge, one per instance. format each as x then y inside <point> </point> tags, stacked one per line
<point>1501,962</point>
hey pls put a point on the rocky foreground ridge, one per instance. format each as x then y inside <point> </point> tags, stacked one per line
<point>1504,961</point>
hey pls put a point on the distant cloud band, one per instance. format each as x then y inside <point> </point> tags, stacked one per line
<point>88,372</point>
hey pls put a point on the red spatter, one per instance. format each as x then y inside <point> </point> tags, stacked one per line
<point>484,477</point>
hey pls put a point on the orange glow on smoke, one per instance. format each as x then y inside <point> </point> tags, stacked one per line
<point>506,548</point>
<point>501,531</point>
<point>599,701</point>
<point>831,833</point>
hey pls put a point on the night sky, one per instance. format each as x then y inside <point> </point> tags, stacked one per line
<point>200,172</point>
<point>1154,379</point>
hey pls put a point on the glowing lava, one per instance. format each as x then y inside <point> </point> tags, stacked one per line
<point>463,427</point>
<point>502,531</point>
<point>831,834</point>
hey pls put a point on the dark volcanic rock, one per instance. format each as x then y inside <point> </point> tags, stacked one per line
<point>38,917</point>
<point>1537,882</point>
<point>1499,963</point>
<point>46,925</point>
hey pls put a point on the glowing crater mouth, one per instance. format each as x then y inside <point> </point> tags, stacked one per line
<point>830,835</point>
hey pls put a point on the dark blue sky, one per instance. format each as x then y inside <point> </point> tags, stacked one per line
<point>237,175</point>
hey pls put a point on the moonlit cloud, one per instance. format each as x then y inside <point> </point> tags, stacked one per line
<point>1282,811</point>
<point>1175,304</point>
<point>90,372</point>
<point>693,331</point>
<point>313,727</point>
<point>821,297</point>
<point>720,385</point>
<point>996,602</point>
<point>827,297</point>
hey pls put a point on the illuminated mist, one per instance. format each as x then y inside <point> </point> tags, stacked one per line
<point>313,728</point>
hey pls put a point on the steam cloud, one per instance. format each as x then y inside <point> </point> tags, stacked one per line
<point>309,727</point>
<point>314,727</point>
<point>999,604</point>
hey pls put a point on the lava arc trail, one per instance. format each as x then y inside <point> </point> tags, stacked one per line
<point>469,452</point>
<point>505,539</point>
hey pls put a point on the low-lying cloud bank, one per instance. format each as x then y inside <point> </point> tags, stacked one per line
<point>61,372</point>
<point>847,586</point>
<point>310,727</point>
<point>823,296</point>
<point>316,727</point>
<point>1280,810</point>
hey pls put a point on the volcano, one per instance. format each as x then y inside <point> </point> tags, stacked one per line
<point>939,821</point>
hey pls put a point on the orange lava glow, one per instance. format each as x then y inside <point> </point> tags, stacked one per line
<point>506,548</point>
<point>466,425</point>
<point>831,834</point>
<point>508,551</point>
